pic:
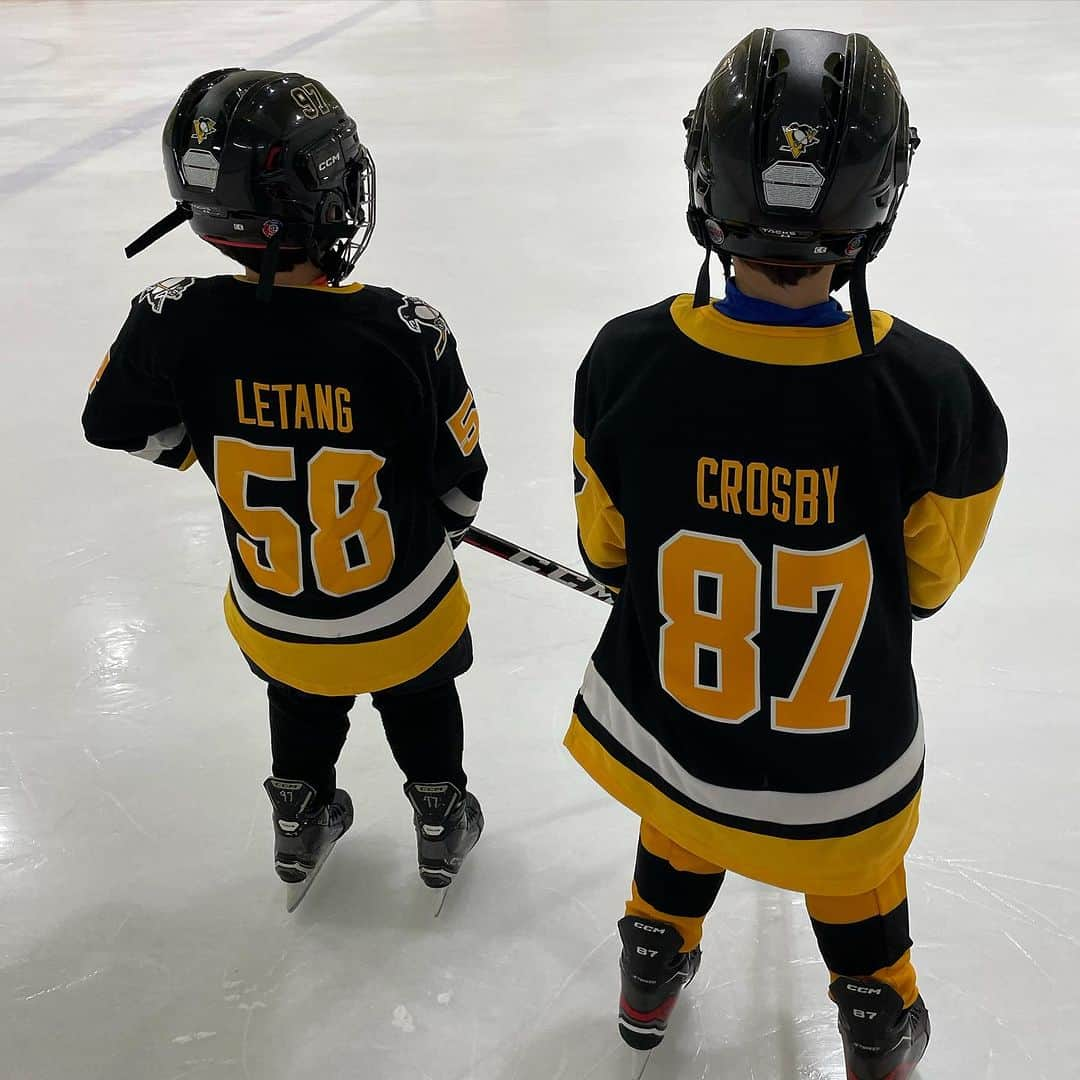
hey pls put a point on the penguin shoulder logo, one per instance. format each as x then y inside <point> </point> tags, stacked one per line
<point>798,138</point>
<point>416,314</point>
<point>202,128</point>
<point>172,288</point>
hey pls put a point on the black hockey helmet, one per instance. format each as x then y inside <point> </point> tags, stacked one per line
<point>267,160</point>
<point>798,153</point>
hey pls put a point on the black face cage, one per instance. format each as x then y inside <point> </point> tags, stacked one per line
<point>357,211</point>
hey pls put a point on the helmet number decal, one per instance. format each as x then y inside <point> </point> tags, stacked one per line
<point>310,100</point>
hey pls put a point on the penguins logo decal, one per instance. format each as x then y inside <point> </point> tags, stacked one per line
<point>172,288</point>
<point>202,129</point>
<point>799,138</point>
<point>415,314</point>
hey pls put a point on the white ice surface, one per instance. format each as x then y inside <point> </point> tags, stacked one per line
<point>531,186</point>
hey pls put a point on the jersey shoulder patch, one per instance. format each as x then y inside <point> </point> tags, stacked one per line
<point>172,288</point>
<point>418,315</point>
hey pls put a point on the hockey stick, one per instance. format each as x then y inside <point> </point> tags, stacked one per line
<point>538,564</point>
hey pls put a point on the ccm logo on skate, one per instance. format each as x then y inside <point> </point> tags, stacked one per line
<point>864,989</point>
<point>649,929</point>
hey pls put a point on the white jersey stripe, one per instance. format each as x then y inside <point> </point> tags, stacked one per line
<point>776,807</point>
<point>460,503</point>
<point>380,616</point>
<point>158,444</point>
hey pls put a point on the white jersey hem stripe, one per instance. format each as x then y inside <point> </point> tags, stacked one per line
<point>460,503</point>
<point>776,807</point>
<point>389,612</point>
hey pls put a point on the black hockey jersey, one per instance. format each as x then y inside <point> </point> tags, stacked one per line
<point>342,439</point>
<point>774,508</point>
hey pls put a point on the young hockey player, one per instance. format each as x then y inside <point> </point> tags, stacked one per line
<point>337,428</point>
<point>777,489</point>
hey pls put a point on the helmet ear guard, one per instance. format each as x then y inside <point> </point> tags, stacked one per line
<point>907,142</point>
<point>697,220</point>
<point>694,125</point>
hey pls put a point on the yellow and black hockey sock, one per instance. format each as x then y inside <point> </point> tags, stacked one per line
<point>868,935</point>
<point>672,885</point>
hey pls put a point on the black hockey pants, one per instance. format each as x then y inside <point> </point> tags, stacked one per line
<point>421,718</point>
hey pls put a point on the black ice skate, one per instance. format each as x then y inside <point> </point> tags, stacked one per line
<point>448,824</point>
<point>882,1039</point>
<point>304,833</point>
<point>653,972</point>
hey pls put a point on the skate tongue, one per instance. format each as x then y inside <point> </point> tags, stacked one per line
<point>655,936</point>
<point>432,801</point>
<point>290,797</point>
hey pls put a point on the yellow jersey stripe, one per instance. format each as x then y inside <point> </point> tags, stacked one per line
<point>791,346</point>
<point>600,525</point>
<point>321,286</point>
<point>838,866</point>
<point>100,371</point>
<point>942,536</point>
<point>337,669</point>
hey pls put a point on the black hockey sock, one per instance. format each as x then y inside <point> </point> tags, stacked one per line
<point>424,730</point>
<point>307,732</point>
<point>866,946</point>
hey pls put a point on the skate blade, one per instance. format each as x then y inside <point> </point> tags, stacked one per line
<point>442,883</point>
<point>639,1062</point>
<point>442,902</point>
<point>445,892</point>
<point>295,893</point>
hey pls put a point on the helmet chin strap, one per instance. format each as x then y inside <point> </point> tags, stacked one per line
<point>860,304</point>
<point>856,280</point>
<point>166,225</point>
<point>702,294</point>
<point>268,268</point>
